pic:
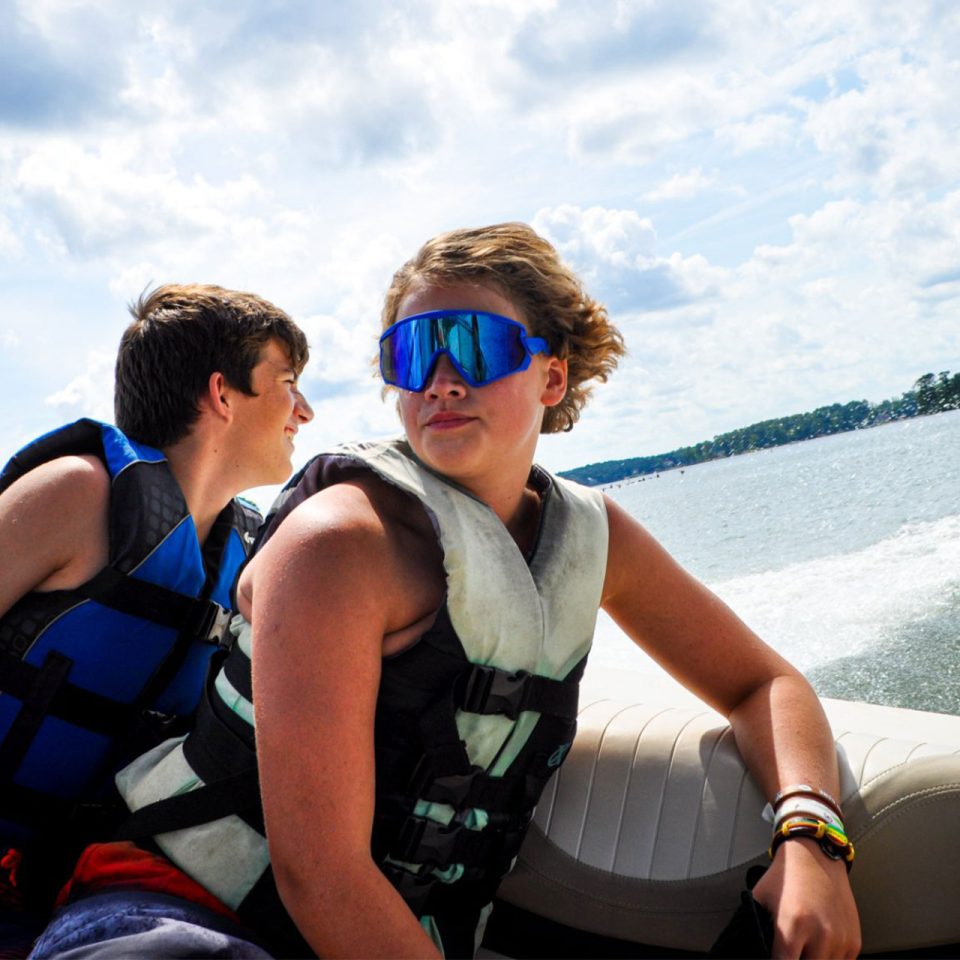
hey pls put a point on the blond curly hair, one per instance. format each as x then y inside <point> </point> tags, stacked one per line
<point>519,264</point>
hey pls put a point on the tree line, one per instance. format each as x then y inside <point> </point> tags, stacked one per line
<point>929,394</point>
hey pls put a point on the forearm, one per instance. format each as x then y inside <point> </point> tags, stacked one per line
<point>784,738</point>
<point>355,913</point>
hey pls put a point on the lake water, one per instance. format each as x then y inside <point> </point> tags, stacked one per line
<point>843,553</point>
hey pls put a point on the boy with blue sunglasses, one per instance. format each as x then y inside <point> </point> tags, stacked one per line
<point>414,626</point>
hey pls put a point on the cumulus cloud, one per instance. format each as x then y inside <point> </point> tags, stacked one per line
<point>597,38</point>
<point>10,244</point>
<point>56,71</point>
<point>759,131</point>
<point>681,186</point>
<point>837,313</point>
<point>305,150</point>
<point>895,134</point>
<point>113,196</point>
<point>615,252</point>
<point>89,394</point>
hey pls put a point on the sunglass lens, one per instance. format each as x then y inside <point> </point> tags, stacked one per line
<point>484,348</point>
<point>500,348</point>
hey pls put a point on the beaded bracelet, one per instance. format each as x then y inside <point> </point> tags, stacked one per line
<point>834,843</point>
<point>819,827</point>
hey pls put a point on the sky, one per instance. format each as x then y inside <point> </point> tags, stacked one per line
<point>766,194</point>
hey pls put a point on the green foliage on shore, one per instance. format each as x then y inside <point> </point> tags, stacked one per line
<point>930,394</point>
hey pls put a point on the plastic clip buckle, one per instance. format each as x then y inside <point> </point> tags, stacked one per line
<point>214,623</point>
<point>425,842</point>
<point>490,690</point>
<point>453,788</point>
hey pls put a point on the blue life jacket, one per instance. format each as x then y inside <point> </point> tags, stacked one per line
<point>80,669</point>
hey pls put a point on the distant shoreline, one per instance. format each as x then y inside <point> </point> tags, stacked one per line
<point>929,394</point>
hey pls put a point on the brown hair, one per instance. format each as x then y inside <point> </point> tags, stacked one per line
<point>180,335</point>
<point>514,260</point>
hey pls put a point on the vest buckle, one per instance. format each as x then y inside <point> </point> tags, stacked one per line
<point>213,625</point>
<point>425,842</point>
<point>492,690</point>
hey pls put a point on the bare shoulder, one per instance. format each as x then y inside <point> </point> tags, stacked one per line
<point>361,539</point>
<point>54,519</point>
<point>363,518</point>
<point>58,496</point>
<point>81,476</point>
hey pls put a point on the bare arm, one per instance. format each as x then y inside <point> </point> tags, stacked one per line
<point>777,720</point>
<point>53,527</point>
<point>326,590</point>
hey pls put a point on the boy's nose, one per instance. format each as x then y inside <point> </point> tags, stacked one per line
<point>444,379</point>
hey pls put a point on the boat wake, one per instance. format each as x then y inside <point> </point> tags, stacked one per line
<point>865,625</point>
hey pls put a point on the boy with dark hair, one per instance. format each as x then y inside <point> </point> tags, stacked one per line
<point>120,547</point>
<point>179,335</point>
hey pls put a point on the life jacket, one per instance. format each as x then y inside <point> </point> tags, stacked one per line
<point>80,668</point>
<point>471,720</point>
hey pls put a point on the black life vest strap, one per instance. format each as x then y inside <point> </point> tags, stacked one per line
<point>446,775</point>
<point>45,684</point>
<point>472,788</point>
<point>68,702</point>
<point>426,895</point>
<point>236,668</point>
<point>233,795</point>
<point>432,844</point>
<point>198,617</point>
<point>490,690</point>
<point>42,688</point>
<point>225,763</point>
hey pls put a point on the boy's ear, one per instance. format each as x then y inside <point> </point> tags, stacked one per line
<point>217,396</point>
<point>556,386</point>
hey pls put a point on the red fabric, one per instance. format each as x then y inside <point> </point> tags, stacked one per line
<point>10,896</point>
<point>124,864</point>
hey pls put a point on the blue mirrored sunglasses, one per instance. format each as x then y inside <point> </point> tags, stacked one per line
<point>483,347</point>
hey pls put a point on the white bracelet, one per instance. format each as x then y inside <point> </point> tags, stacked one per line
<point>799,790</point>
<point>800,806</point>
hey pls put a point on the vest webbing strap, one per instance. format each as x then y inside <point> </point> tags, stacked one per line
<point>198,617</point>
<point>237,670</point>
<point>426,895</point>
<point>211,750</point>
<point>436,845</point>
<point>446,775</point>
<point>492,690</point>
<point>233,795</point>
<point>75,705</point>
<point>46,684</point>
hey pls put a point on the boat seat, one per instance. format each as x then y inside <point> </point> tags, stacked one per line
<point>647,831</point>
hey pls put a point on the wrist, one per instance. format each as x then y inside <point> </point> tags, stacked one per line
<point>831,844</point>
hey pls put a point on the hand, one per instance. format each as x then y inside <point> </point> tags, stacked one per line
<point>813,909</point>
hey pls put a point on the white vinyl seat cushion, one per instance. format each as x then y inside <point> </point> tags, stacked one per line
<point>648,829</point>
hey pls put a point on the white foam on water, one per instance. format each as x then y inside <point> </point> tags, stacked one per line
<point>816,611</point>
